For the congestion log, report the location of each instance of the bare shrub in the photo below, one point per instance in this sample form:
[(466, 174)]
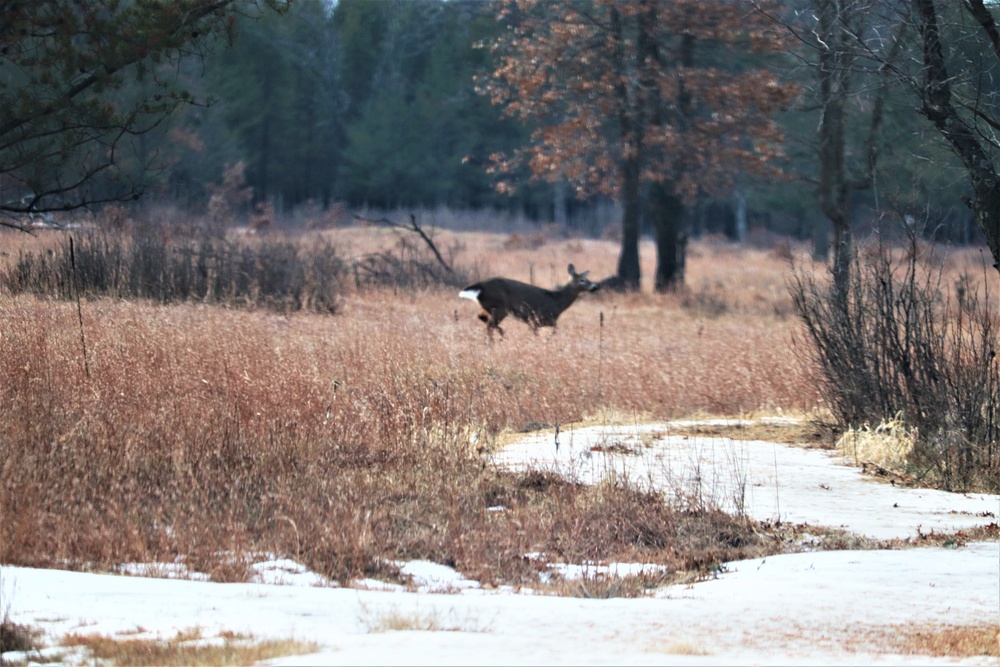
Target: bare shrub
[(272, 273), (314, 218), (900, 343), (407, 265), (262, 220), (18, 636)]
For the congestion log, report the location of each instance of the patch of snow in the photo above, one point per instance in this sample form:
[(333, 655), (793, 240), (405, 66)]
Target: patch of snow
[(161, 570), (434, 578), (795, 609), (766, 481), (286, 572)]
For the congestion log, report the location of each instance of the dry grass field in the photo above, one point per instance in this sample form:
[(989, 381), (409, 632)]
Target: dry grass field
[(342, 441)]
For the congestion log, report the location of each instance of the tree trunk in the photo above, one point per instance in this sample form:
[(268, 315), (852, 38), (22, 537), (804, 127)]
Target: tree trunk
[(667, 213), (843, 241), (559, 203), (632, 130), (740, 216), (834, 192), (821, 239), (628, 260), (964, 140)]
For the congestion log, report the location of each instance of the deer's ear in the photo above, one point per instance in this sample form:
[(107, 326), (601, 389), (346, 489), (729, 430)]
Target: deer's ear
[(572, 271)]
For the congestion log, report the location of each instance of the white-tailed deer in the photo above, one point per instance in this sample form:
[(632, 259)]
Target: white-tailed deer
[(500, 297)]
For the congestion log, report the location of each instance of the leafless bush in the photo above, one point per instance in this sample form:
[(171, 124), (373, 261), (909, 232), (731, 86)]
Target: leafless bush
[(148, 264), (408, 265), (899, 342), (17, 636)]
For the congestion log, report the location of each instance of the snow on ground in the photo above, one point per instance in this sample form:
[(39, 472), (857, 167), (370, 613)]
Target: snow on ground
[(811, 608), (768, 481)]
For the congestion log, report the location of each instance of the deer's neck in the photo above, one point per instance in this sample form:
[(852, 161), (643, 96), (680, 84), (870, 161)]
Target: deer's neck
[(565, 296)]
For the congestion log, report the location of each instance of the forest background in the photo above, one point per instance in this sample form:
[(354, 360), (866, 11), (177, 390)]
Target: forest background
[(375, 104)]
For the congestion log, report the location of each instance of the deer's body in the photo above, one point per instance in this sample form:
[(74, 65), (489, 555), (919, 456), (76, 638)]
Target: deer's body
[(538, 307)]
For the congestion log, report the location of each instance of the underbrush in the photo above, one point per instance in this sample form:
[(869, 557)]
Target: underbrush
[(149, 263), (17, 636), (905, 347), (277, 272)]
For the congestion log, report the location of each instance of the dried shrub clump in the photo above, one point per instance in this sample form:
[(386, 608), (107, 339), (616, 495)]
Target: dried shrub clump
[(187, 648), (900, 346), (150, 263), (953, 641), (17, 636), (886, 446)]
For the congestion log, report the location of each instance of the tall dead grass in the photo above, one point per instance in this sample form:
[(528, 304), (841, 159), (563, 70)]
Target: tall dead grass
[(344, 441)]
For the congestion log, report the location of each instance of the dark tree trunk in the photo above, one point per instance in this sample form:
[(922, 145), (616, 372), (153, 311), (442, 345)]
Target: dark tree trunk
[(667, 213), (667, 210), (964, 140), (628, 260), (821, 239), (838, 23), (632, 130), (834, 191)]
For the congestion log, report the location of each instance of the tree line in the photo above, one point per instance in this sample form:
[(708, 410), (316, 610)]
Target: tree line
[(804, 111)]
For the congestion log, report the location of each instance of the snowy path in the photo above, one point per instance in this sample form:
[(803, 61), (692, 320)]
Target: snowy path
[(770, 481)]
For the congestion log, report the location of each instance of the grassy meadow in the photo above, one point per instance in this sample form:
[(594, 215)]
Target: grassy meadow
[(205, 433)]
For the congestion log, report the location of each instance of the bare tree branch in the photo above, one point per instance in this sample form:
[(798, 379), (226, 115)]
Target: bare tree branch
[(412, 227)]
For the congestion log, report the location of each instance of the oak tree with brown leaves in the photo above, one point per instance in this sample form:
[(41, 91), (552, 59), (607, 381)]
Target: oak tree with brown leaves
[(642, 100)]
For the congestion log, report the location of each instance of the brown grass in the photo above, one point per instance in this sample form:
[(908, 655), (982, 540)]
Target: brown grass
[(187, 648), (944, 640), (342, 441), (395, 619), (950, 641)]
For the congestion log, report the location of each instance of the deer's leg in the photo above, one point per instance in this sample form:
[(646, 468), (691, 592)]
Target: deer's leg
[(491, 326), (534, 321), (497, 316), (492, 320)]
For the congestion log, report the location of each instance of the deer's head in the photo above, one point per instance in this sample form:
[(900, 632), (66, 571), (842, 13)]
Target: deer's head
[(580, 283)]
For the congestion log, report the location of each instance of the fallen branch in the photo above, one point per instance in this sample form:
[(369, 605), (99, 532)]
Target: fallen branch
[(412, 227)]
